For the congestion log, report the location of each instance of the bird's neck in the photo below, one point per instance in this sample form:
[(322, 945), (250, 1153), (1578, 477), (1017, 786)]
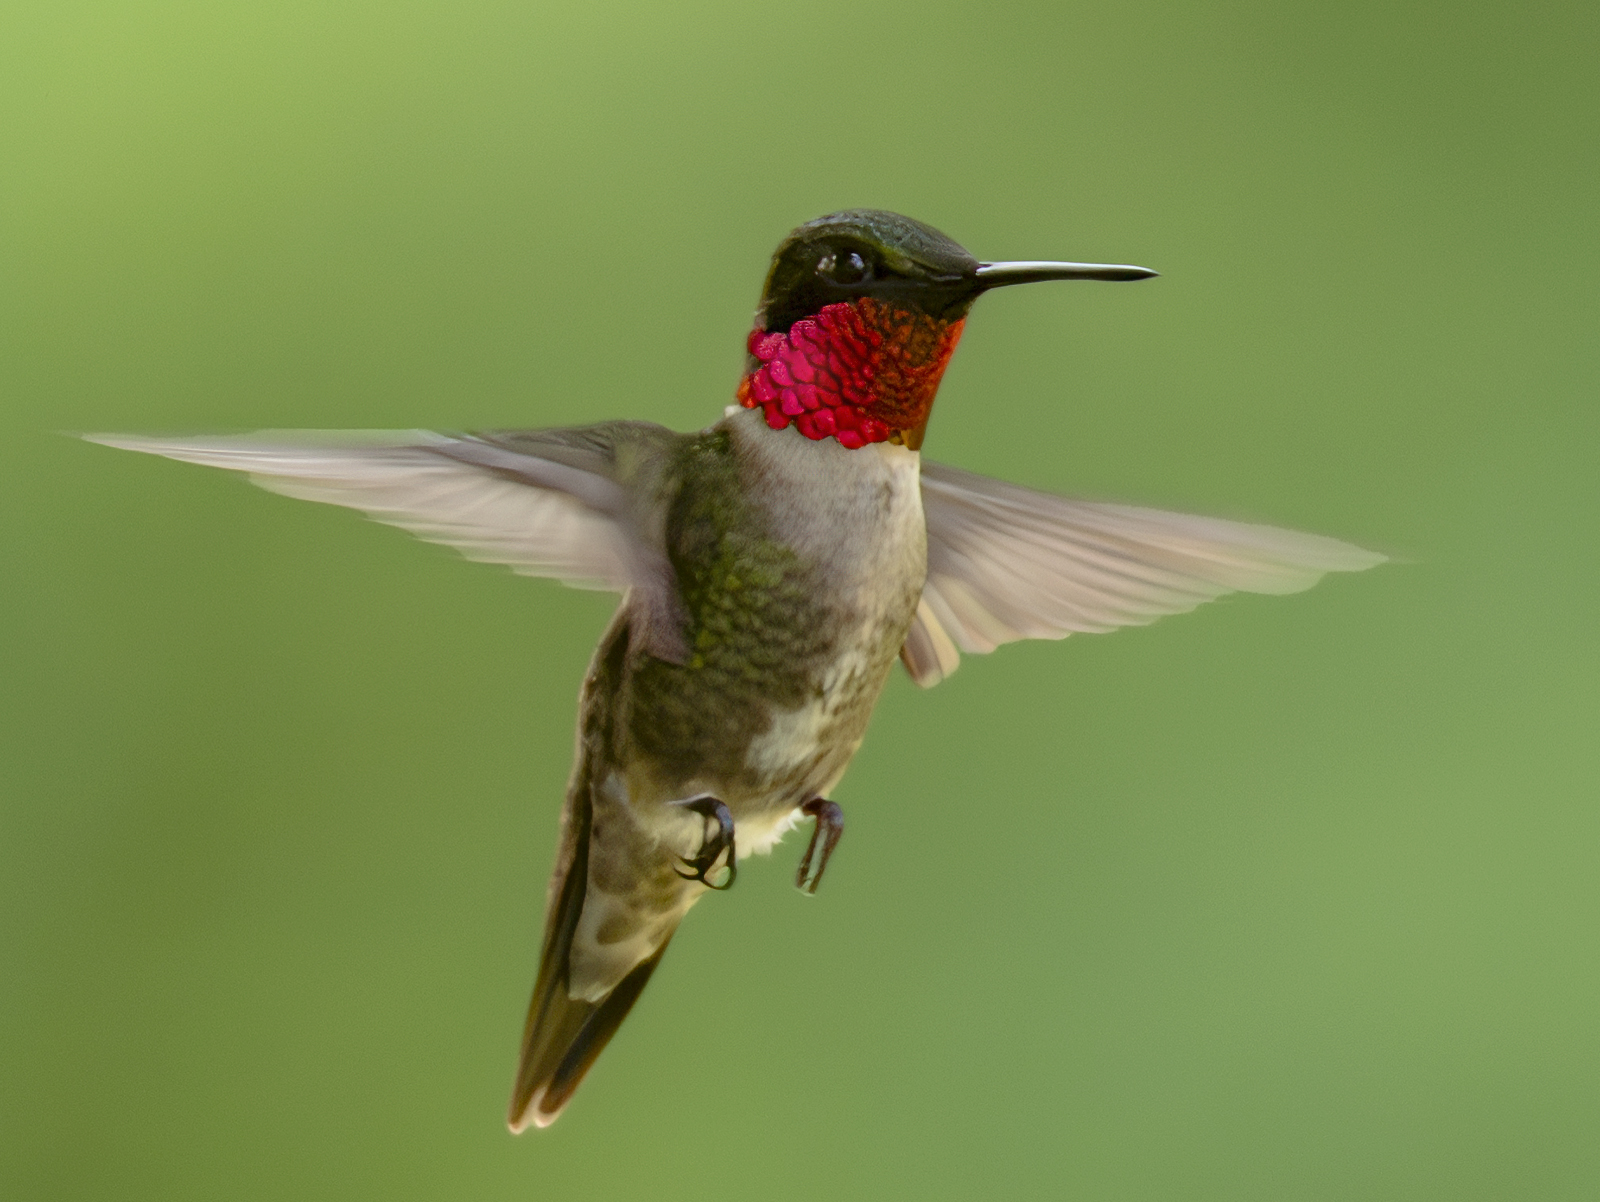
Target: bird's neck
[(859, 371)]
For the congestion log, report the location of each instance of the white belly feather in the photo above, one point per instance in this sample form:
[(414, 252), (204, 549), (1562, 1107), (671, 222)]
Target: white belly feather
[(886, 570)]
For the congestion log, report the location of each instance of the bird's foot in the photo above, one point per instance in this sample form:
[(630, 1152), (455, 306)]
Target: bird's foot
[(830, 825), (715, 844)]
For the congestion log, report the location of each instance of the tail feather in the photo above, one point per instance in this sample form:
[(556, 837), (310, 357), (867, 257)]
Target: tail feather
[(564, 1035), (567, 1044)]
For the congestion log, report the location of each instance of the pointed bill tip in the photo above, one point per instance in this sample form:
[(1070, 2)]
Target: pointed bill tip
[(1030, 271)]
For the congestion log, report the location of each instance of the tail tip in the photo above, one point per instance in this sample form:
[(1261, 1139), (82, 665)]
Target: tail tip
[(528, 1114)]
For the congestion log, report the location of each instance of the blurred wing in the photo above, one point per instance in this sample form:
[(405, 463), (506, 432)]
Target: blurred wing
[(544, 503), (1008, 563)]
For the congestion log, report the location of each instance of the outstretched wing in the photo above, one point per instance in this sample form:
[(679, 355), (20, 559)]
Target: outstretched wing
[(555, 503), (1008, 563)]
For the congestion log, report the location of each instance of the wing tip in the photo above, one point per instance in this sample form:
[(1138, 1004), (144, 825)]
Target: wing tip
[(1367, 561), (123, 442), (1336, 555), (1307, 571)]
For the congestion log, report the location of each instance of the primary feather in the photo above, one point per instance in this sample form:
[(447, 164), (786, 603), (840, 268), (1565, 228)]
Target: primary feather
[(1008, 563), (558, 503)]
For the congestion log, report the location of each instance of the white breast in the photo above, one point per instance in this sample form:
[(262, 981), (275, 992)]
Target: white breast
[(859, 514)]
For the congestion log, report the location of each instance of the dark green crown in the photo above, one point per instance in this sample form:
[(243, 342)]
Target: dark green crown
[(867, 252)]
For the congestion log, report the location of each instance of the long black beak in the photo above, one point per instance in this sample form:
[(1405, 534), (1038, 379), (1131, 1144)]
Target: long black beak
[(996, 275)]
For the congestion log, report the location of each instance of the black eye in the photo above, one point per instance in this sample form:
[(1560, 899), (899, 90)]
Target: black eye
[(843, 267)]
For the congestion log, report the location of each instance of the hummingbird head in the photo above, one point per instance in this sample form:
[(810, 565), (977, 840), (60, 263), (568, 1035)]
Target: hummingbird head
[(859, 316)]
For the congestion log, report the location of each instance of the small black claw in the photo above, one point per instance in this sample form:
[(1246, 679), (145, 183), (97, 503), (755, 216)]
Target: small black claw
[(830, 825), (713, 847)]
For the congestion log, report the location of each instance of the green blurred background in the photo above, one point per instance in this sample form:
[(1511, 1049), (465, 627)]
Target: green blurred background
[(1285, 899)]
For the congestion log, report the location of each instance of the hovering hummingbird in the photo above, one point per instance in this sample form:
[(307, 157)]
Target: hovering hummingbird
[(772, 567)]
